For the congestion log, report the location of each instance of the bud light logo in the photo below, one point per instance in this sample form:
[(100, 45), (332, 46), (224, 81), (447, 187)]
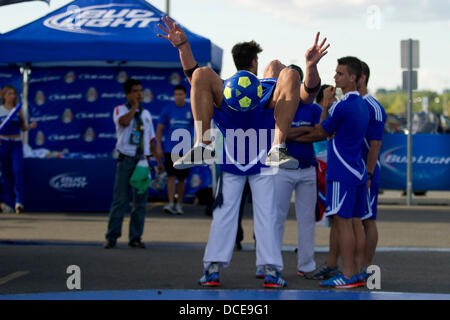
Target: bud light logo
[(395, 158), (122, 77), (147, 96), (68, 182), (67, 116), (430, 162), (175, 79), (40, 138), (101, 19), (70, 77), (39, 98), (196, 181), (89, 135), (91, 94)]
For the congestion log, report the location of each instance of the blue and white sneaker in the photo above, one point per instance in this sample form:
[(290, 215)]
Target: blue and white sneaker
[(360, 279), (259, 273), (211, 278), (340, 282), (273, 279), (363, 274), (324, 272)]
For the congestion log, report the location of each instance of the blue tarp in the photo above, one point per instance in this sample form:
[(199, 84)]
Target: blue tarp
[(101, 30)]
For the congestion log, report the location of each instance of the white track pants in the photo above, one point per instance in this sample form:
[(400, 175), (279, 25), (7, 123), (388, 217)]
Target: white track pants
[(303, 182), (222, 235)]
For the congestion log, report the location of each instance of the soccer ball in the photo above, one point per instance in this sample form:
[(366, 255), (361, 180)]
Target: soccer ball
[(242, 91)]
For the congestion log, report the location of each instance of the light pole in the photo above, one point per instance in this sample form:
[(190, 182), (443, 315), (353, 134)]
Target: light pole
[(409, 61)]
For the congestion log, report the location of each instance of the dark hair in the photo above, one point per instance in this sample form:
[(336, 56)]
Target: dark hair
[(244, 53), (180, 87), (298, 69), (353, 66), (319, 96), (365, 71), (129, 84)]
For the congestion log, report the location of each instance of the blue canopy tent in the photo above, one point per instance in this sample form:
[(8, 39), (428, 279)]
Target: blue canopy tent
[(79, 57), (101, 31)]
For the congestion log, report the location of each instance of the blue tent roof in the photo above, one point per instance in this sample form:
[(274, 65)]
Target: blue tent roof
[(101, 30)]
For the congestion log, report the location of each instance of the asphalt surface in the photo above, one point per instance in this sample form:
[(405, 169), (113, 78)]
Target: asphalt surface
[(414, 255), (45, 269)]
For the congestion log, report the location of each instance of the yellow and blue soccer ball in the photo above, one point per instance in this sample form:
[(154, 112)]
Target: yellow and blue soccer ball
[(242, 91)]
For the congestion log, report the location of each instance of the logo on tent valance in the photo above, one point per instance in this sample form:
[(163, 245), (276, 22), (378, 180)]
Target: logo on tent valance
[(101, 19)]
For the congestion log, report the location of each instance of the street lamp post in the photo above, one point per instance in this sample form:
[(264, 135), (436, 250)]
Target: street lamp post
[(409, 61)]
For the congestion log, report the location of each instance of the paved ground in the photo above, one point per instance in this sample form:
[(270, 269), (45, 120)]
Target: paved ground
[(36, 249), (420, 226), (429, 198), (175, 267)]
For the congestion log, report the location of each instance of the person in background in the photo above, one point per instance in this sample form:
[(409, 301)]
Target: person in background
[(174, 116), (371, 151), (304, 182), (11, 151), (135, 135)]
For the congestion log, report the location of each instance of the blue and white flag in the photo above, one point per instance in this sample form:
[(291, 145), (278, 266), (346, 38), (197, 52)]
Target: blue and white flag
[(5, 121)]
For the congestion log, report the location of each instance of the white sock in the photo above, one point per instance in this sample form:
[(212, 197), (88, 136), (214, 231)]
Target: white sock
[(206, 146), (278, 146)]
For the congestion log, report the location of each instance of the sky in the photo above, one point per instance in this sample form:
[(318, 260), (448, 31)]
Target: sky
[(368, 29)]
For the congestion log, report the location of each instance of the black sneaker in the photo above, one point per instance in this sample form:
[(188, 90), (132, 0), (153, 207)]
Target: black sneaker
[(197, 156), (136, 244), (110, 244), (282, 159)]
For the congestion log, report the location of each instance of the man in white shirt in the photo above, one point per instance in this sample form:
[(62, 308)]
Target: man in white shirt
[(135, 138)]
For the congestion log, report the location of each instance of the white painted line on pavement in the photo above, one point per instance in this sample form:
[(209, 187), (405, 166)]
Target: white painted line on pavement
[(13, 276), (380, 249)]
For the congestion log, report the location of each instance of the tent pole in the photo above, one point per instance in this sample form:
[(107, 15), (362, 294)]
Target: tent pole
[(25, 82)]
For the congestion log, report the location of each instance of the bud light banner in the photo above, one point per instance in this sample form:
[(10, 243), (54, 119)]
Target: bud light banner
[(431, 162), (73, 107), (11, 76), (200, 177), (87, 184), (68, 184)]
